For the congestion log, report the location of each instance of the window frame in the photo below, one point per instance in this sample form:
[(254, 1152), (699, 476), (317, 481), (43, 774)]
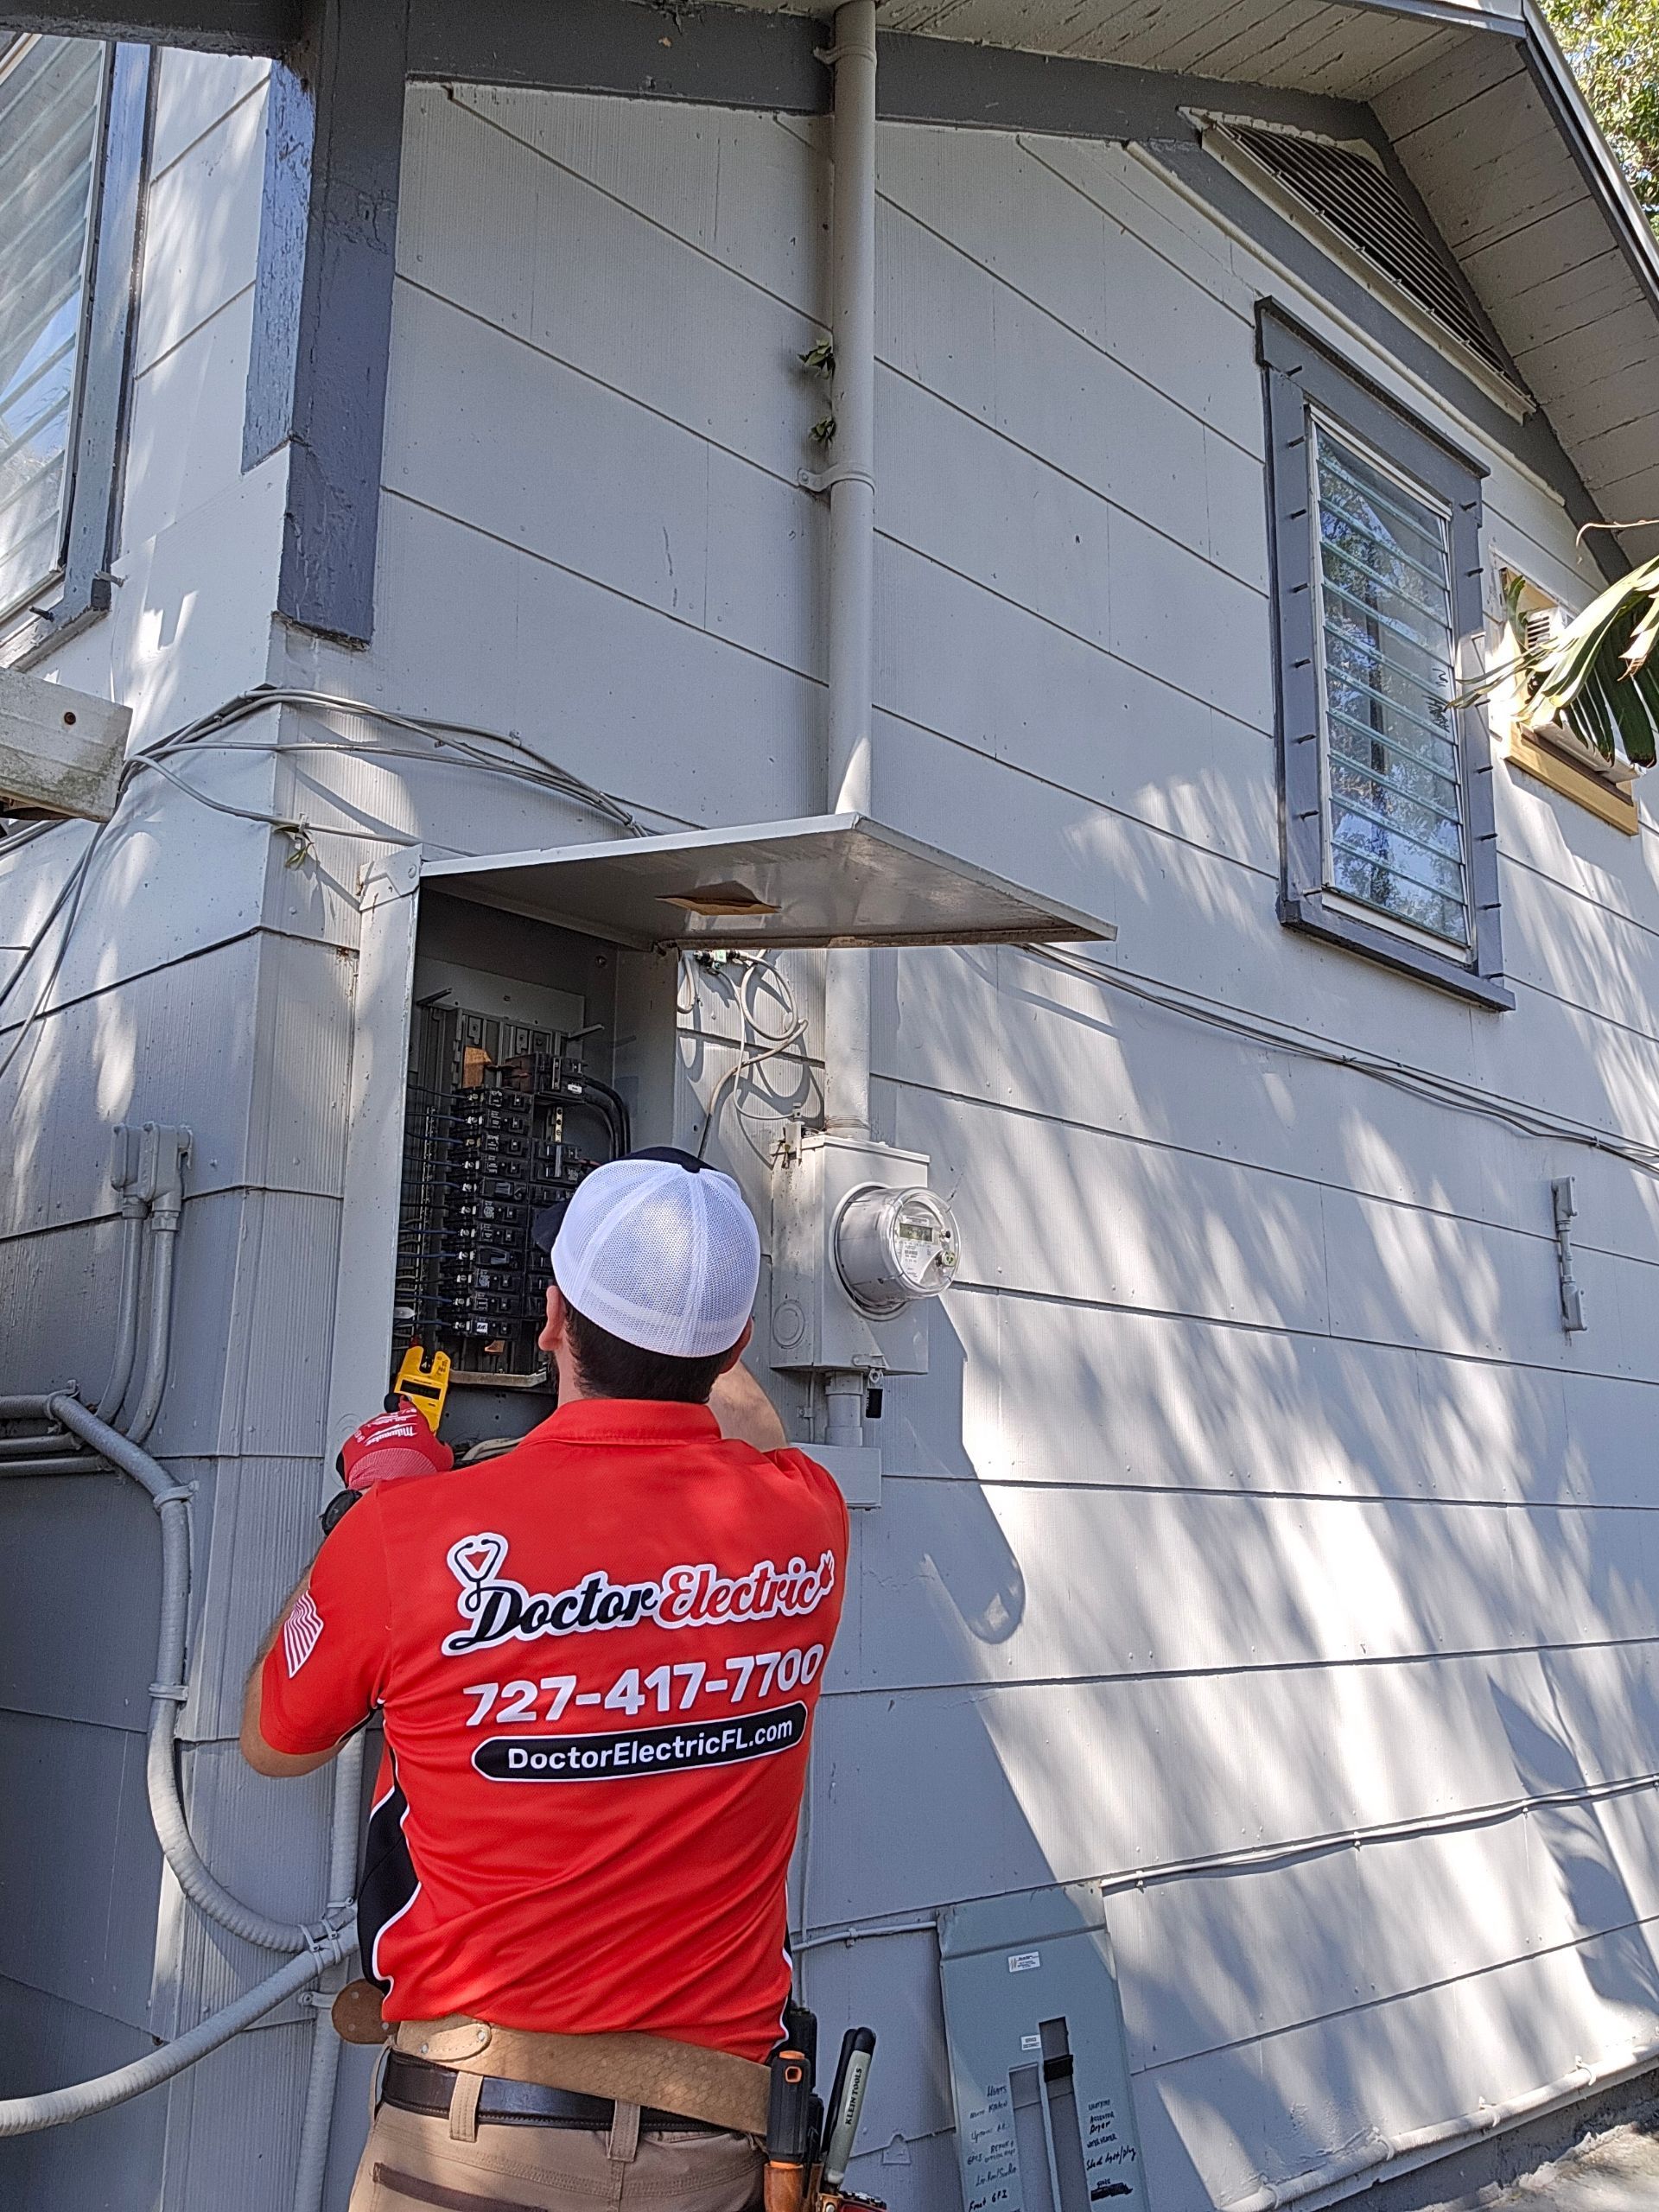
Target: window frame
[(1304, 382), (80, 586)]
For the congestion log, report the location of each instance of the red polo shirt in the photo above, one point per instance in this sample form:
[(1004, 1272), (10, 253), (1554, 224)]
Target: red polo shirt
[(598, 1659)]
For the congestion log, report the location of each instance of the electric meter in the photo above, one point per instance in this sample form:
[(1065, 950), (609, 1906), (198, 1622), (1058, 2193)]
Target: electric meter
[(893, 1246)]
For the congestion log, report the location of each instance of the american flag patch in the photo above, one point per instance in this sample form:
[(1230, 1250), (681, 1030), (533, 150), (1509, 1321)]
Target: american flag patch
[(299, 1632)]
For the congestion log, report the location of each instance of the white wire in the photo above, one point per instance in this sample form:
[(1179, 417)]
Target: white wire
[(1421, 1083), (74, 884), (756, 1045), (461, 737)]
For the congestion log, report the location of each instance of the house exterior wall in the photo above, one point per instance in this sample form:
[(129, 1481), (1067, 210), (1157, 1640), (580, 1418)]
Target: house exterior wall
[(1255, 1499)]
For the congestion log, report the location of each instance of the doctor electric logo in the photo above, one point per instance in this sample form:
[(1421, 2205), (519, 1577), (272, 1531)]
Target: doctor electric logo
[(497, 1609), (620, 1753)]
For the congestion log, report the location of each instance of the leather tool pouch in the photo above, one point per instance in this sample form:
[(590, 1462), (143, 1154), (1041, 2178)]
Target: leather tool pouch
[(356, 2014), (639, 2070)]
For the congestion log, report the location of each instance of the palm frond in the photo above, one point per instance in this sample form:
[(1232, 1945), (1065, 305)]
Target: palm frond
[(1600, 678)]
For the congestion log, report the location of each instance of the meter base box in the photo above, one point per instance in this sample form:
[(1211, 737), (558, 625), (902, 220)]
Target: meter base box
[(815, 1325)]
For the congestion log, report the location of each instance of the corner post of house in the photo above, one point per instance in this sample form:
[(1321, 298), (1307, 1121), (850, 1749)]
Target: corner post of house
[(323, 303)]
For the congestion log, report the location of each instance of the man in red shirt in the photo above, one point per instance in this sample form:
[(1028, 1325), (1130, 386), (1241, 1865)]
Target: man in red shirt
[(597, 1657)]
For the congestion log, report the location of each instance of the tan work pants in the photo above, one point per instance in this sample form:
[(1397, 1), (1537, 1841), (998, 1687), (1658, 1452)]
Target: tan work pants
[(415, 2160)]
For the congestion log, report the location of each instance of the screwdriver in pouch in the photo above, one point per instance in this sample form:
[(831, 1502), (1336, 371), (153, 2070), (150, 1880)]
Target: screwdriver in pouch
[(788, 2125), (846, 2102)]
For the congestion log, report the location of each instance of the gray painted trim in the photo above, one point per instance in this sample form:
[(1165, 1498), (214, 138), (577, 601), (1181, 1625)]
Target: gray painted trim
[(323, 306), (211, 25), (356, 72), (996, 88), (279, 281), (98, 448), (1534, 443), (1296, 369), (741, 58), (731, 57)]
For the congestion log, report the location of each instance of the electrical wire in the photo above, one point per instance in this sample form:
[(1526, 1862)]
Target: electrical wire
[(298, 830), (466, 739), (1421, 1083), (73, 887), (756, 1045), (466, 742)]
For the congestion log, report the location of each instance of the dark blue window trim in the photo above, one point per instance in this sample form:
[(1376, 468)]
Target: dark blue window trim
[(1300, 373)]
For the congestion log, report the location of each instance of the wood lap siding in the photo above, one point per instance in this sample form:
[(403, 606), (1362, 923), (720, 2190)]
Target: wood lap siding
[(1255, 1491)]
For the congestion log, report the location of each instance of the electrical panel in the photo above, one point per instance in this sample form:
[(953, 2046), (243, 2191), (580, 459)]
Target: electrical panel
[(505, 1112), (1039, 2067)]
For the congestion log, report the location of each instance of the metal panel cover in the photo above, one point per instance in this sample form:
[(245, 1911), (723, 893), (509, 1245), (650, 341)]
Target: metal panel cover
[(831, 880), (1039, 2072)]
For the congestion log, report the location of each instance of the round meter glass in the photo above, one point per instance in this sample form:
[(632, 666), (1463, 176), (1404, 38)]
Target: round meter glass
[(894, 1246)]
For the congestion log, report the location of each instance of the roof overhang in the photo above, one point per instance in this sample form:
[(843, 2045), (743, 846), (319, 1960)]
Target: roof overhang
[(1530, 198), (1481, 107), (829, 880)]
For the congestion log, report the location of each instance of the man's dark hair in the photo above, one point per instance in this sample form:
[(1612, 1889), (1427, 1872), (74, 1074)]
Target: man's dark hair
[(612, 1368)]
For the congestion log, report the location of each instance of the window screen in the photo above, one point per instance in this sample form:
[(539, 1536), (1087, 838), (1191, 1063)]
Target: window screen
[(50, 96), (1394, 826)]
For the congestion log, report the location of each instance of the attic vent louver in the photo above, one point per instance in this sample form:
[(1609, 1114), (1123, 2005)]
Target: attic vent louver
[(1357, 198)]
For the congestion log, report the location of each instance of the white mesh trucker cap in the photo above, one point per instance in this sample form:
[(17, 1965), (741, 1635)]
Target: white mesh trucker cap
[(662, 1252)]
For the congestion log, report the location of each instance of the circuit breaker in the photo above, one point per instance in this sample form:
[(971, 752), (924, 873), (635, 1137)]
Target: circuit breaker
[(505, 1112)]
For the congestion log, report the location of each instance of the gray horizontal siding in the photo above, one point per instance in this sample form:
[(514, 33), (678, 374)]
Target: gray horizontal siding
[(1048, 1390), (104, 2165), (1254, 1495)]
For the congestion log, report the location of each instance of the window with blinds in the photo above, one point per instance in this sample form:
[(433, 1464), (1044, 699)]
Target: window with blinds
[(1396, 839), (51, 95)]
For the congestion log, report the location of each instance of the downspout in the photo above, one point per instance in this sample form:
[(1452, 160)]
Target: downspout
[(851, 477), (851, 659)]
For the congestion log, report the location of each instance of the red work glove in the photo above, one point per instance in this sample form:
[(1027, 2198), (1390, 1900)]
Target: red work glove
[(389, 1447)]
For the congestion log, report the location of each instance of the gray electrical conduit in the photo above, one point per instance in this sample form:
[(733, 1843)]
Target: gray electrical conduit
[(126, 1326), (326, 1945), (323, 1946), (315, 2125), (55, 2107), (163, 1236), (168, 1690), (58, 1454)]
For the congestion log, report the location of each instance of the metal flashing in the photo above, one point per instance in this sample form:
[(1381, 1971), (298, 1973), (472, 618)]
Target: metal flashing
[(827, 879)]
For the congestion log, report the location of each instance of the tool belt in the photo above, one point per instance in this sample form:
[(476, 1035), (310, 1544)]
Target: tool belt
[(416, 2085), (661, 2077)]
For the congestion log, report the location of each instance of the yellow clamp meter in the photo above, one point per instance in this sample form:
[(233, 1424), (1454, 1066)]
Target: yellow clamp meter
[(423, 1379)]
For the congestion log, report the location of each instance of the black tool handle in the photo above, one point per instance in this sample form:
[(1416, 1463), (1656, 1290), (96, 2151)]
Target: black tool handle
[(789, 2109)]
